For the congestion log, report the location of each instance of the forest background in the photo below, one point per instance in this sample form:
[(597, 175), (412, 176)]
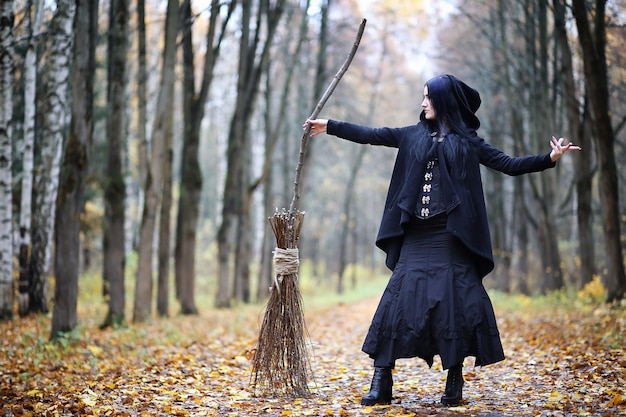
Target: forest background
[(145, 144)]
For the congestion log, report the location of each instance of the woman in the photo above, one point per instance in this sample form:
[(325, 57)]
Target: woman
[(435, 234)]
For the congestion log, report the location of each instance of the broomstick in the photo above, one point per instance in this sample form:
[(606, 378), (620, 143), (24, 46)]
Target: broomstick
[(280, 364)]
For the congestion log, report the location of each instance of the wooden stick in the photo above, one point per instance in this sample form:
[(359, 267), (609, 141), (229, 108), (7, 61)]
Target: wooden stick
[(329, 91)]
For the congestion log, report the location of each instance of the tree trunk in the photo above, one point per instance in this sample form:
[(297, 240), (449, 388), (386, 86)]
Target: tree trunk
[(501, 234), (582, 161), (585, 172), (521, 234), (547, 200), (6, 114), (237, 184), (499, 231), (593, 43), (74, 169), (517, 249), (187, 220), (115, 187), (163, 251), (242, 244), (163, 274), (142, 118), (54, 131), (142, 90), (153, 187), (539, 117), (272, 135), (30, 86), (191, 172), (347, 222), (265, 266)]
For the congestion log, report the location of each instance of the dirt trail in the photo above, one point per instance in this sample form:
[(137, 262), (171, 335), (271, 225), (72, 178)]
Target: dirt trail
[(559, 363)]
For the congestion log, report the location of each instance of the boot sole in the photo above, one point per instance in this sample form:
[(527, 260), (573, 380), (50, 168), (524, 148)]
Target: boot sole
[(451, 401), (376, 402)]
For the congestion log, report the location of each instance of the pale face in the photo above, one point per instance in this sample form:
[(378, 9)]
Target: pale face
[(429, 110)]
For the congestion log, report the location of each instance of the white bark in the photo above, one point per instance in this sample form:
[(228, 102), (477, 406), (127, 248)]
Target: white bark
[(54, 131), (30, 87), (6, 114)]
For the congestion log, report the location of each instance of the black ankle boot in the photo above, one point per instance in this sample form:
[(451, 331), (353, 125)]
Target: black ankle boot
[(454, 386), (380, 391)]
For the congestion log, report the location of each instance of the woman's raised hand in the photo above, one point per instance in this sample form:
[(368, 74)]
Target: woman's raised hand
[(318, 126), (558, 149)]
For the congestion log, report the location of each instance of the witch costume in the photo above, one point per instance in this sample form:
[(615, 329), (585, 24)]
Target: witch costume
[(435, 234)]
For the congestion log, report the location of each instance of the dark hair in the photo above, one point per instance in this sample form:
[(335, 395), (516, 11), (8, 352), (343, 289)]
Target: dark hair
[(454, 114), (454, 103)]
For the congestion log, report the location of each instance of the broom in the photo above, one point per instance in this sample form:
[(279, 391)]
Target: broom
[(280, 364)]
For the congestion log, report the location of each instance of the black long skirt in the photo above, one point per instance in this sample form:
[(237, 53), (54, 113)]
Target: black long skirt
[(434, 304)]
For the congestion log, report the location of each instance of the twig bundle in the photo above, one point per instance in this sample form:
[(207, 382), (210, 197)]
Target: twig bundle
[(280, 364)]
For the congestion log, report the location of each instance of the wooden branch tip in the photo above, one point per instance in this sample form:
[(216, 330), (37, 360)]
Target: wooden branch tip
[(318, 108)]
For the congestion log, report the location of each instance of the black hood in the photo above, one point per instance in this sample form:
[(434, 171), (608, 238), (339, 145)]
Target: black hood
[(468, 99)]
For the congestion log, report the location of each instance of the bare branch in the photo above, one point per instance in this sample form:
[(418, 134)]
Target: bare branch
[(318, 108)]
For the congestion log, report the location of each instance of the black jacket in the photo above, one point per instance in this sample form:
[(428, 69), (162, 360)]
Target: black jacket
[(462, 196)]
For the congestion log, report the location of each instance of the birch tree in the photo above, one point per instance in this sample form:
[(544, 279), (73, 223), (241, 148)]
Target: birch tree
[(32, 21), (115, 188), (153, 188), (6, 113), (74, 169), (57, 111)]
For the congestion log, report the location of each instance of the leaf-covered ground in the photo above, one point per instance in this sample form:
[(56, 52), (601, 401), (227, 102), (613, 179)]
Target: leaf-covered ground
[(561, 361)]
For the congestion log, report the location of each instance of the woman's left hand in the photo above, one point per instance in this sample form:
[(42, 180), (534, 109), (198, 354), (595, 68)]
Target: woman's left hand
[(318, 126), (558, 149)]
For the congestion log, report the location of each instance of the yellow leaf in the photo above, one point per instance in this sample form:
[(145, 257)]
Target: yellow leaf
[(32, 392), (459, 408), (619, 399), (95, 350)]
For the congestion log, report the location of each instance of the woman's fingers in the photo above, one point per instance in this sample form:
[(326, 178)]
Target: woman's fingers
[(557, 145), (558, 149), (317, 126)]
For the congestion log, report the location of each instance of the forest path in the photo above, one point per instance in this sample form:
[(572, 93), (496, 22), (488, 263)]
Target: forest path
[(560, 362)]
